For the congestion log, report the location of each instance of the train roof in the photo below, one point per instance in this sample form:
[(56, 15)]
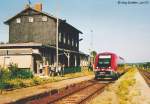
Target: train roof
[(106, 53), (110, 53)]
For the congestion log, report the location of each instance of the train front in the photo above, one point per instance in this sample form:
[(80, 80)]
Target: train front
[(105, 66)]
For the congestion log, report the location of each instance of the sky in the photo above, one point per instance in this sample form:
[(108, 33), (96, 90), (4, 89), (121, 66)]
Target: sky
[(118, 26)]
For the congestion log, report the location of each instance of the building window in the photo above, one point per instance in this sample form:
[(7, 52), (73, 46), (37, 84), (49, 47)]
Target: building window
[(44, 18), (64, 39), (60, 37), (76, 44), (72, 42), (31, 19), (18, 20), (68, 42)]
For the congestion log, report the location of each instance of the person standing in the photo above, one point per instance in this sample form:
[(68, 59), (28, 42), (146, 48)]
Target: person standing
[(62, 70), (52, 73), (41, 69), (59, 69)]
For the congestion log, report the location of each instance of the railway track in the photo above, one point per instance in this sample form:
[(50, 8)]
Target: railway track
[(146, 76), (77, 94)]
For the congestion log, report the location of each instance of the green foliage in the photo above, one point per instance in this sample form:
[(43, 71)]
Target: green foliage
[(17, 78), (93, 53), (145, 65), (5, 74), (12, 77), (37, 80), (14, 72), (16, 83), (20, 73), (4, 85)]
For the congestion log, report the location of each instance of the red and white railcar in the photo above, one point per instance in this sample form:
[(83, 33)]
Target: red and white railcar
[(108, 65)]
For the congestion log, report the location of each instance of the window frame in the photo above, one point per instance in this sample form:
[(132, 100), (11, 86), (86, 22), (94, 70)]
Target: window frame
[(30, 19), (18, 20), (44, 18), (64, 39), (59, 37), (72, 42)]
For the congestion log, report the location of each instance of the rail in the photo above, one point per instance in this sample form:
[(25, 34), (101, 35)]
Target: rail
[(77, 94), (146, 76)]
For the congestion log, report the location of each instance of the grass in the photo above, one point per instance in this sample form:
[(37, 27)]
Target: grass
[(16, 83), (123, 88)]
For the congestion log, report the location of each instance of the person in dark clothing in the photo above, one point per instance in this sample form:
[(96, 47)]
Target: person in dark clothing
[(52, 70), (62, 70)]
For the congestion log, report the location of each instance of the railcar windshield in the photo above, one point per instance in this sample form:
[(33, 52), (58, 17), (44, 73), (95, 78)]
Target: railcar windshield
[(104, 61)]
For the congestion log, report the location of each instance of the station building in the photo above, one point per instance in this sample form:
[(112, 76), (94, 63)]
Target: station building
[(32, 41)]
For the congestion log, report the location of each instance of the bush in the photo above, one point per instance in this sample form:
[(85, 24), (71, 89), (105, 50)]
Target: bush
[(5, 74), (12, 77)]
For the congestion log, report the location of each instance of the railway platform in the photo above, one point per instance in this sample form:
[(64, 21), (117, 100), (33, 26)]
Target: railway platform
[(138, 93), (144, 89), (40, 90)]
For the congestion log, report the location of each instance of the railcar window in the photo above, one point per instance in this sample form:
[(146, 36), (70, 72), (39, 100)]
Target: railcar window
[(104, 62)]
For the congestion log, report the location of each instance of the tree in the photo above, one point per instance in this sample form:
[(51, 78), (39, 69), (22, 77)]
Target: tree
[(93, 54)]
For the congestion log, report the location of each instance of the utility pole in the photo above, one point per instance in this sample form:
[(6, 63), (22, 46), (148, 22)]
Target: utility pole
[(91, 42), (91, 47), (57, 30), (57, 58)]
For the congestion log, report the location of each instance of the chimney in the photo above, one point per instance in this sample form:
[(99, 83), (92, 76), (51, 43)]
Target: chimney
[(27, 6), (38, 7)]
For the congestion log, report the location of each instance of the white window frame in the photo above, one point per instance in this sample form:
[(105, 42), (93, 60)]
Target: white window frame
[(31, 19), (76, 44), (60, 35), (72, 42), (68, 41), (44, 18), (64, 39), (18, 20)]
